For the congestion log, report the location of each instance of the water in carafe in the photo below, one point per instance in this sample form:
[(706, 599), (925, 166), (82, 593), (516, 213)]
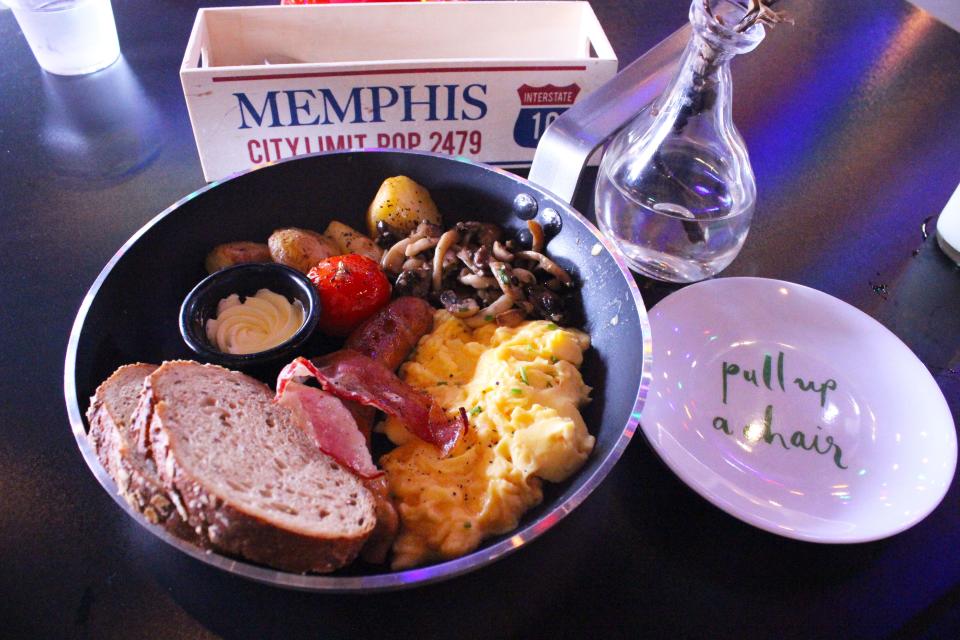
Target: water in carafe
[(675, 188), (676, 220)]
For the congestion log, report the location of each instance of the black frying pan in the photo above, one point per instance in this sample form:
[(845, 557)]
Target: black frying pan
[(130, 312)]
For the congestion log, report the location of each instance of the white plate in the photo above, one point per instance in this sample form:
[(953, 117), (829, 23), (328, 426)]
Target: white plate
[(860, 443)]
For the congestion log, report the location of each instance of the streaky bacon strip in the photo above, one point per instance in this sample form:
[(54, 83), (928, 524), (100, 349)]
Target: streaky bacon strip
[(297, 371), (324, 416), (350, 375)]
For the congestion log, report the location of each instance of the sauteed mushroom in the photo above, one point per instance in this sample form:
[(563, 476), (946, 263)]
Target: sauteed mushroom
[(415, 282), (477, 282), (487, 314), (524, 276), (474, 275), (460, 307), (547, 265), (412, 264), (536, 231), (420, 246), (504, 277), (446, 241), (500, 253), (393, 258)]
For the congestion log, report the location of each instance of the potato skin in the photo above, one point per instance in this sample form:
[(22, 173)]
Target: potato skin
[(403, 204), (349, 240), (301, 249), (233, 253)]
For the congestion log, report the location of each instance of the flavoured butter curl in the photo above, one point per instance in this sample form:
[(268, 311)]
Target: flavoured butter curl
[(262, 321)]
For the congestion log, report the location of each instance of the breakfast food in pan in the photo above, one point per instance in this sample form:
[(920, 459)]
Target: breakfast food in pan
[(352, 288), (244, 476), (118, 438), (523, 391), (260, 322), (401, 204), (475, 273), (466, 371), (282, 479), (233, 253)]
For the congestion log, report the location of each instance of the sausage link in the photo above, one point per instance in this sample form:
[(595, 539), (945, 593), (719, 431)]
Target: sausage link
[(391, 334)]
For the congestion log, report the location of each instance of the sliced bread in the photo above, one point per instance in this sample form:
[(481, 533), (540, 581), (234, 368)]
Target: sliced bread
[(111, 411), (115, 435), (252, 483)]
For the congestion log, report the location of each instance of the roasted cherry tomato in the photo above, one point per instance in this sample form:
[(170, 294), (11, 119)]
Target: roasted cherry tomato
[(352, 288)]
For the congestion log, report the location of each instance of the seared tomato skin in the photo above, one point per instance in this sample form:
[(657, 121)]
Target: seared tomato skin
[(352, 288)]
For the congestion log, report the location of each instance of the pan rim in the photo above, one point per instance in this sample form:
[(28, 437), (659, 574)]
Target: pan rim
[(378, 582)]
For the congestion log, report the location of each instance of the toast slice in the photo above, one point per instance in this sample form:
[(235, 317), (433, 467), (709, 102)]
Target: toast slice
[(115, 435), (252, 483)]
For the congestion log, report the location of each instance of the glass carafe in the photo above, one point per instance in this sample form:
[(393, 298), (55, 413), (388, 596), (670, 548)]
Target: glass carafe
[(675, 188)]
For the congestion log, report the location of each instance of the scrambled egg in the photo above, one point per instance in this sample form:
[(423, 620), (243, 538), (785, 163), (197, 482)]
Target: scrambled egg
[(522, 390)]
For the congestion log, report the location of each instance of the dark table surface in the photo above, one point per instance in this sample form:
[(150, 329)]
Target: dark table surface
[(852, 118)]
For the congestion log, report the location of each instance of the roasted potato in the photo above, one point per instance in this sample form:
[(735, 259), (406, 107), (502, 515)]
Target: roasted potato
[(349, 240), (301, 249), (231, 253), (403, 204)]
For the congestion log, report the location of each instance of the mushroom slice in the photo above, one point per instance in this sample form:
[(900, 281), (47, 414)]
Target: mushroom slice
[(471, 279), (487, 314), (419, 246), (500, 253), (459, 307), (447, 240), (536, 231), (427, 230), (481, 256), (504, 276), (524, 276), (394, 257), (412, 264), (467, 258), (449, 259), (547, 265), (482, 232)]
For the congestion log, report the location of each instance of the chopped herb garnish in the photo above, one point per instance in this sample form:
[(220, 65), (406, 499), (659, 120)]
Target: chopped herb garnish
[(476, 410), (487, 318), (516, 392), (504, 278), (523, 375), (552, 327), (554, 359), (467, 525)]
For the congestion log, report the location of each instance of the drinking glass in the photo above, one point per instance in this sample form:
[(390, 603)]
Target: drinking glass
[(69, 37)]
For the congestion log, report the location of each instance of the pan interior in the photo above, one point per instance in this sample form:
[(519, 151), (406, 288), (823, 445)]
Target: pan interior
[(132, 316)]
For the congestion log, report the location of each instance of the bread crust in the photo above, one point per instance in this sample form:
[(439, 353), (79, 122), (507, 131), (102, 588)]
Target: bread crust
[(111, 434)]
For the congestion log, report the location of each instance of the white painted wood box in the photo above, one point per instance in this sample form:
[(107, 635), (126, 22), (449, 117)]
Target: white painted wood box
[(475, 79)]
